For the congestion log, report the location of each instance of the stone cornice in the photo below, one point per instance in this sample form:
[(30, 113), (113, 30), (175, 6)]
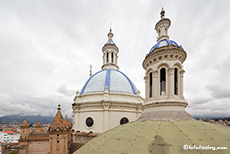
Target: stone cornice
[(110, 46), (164, 53), (167, 103), (107, 106), (107, 96)]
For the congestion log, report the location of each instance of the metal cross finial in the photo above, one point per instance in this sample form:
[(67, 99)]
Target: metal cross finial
[(110, 30), (162, 13), (90, 70), (59, 107)]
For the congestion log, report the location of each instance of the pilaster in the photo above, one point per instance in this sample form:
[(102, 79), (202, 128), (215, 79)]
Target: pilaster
[(155, 79), (182, 83), (146, 78), (171, 82)]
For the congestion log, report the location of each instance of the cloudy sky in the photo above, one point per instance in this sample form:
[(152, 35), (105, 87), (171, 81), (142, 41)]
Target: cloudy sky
[(46, 47)]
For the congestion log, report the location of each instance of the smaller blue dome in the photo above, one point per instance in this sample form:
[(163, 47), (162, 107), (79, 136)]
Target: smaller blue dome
[(163, 43), (110, 42)]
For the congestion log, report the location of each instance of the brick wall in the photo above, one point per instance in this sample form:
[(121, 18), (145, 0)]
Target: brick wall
[(38, 147)]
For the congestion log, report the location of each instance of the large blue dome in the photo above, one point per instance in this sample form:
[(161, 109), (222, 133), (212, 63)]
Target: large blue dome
[(162, 43), (115, 80)]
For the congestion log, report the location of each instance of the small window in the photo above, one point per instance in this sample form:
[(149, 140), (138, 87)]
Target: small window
[(57, 141), (124, 120), (57, 134), (89, 122)]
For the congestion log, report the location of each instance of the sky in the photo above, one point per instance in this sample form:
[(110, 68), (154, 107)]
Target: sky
[(47, 46)]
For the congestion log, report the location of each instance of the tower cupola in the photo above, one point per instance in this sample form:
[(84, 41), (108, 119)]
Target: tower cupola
[(110, 53), (162, 27)]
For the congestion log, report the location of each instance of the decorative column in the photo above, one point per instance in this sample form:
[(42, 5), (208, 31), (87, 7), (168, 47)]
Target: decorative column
[(146, 78), (154, 86), (78, 117), (115, 58), (110, 58), (182, 84), (104, 58), (171, 82)]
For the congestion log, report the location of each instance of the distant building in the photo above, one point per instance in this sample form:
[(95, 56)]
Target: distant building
[(54, 141), (1, 147), (9, 137)]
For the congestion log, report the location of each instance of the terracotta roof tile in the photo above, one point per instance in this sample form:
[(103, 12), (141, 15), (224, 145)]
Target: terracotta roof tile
[(68, 123), (9, 132), (25, 124), (38, 125), (59, 123)]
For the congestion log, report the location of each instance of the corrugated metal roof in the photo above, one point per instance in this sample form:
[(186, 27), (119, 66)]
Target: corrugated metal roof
[(159, 137)]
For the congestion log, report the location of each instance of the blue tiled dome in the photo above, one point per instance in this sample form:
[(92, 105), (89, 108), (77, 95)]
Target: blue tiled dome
[(163, 43), (110, 42), (115, 80)]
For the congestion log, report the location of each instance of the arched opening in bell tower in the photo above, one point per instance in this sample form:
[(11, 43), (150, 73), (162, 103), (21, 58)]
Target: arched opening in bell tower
[(175, 81), (162, 81), (150, 84), (112, 57), (107, 57)]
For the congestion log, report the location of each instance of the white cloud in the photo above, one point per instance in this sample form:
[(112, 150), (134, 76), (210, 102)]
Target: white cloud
[(65, 91), (46, 48)]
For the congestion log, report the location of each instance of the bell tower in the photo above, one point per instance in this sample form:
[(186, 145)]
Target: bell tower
[(164, 74), (110, 53), (59, 134), (24, 130)]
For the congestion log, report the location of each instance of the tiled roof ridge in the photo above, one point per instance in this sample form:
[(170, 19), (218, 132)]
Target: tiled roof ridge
[(38, 125), (59, 123), (25, 123)]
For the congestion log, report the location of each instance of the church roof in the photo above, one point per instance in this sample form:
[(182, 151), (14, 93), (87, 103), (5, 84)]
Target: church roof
[(68, 123), (59, 123), (25, 123), (38, 125), (159, 137), (114, 80), (163, 43)]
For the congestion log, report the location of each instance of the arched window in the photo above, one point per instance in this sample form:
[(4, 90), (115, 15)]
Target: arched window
[(112, 57), (124, 120), (162, 81), (150, 84), (175, 81), (107, 57)]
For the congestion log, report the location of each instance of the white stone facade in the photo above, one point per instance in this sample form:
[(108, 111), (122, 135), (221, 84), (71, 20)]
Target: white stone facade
[(106, 109)]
